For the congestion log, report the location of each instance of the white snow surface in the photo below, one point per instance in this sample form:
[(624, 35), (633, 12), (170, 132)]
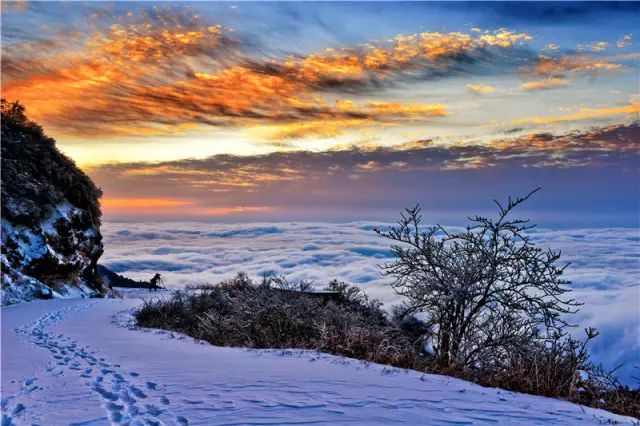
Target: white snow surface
[(82, 362)]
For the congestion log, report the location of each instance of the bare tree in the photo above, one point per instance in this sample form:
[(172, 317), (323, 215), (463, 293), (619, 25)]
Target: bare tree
[(484, 290)]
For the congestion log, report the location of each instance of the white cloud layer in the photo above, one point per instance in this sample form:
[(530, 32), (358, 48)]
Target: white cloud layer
[(605, 265)]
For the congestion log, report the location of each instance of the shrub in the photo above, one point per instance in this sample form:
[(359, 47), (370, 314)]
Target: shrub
[(279, 314), (485, 290), (496, 308)]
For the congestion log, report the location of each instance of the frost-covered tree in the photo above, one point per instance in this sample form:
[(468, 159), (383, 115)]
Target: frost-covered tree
[(484, 290)]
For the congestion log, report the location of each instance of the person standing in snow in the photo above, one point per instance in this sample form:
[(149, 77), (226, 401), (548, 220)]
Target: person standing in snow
[(153, 284)]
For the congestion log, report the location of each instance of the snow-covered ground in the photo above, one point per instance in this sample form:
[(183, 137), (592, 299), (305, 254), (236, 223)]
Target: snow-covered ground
[(81, 362)]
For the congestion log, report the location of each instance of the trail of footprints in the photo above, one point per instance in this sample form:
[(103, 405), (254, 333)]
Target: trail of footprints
[(127, 399)]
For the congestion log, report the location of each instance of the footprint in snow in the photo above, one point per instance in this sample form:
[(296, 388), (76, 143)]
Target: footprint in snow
[(153, 410), (120, 398), (19, 408)]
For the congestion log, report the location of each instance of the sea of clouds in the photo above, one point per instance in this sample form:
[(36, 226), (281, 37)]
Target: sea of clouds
[(605, 265)]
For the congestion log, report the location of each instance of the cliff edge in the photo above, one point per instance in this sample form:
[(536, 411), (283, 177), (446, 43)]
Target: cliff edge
[(51, 237)]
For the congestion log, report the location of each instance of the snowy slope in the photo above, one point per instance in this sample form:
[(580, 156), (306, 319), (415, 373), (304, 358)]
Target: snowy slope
[(81, 362)]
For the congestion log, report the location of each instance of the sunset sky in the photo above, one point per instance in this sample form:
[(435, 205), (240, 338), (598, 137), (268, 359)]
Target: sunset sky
[(336, 111)]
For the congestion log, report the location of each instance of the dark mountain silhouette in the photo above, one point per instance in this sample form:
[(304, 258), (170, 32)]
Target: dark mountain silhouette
[(112, 279)]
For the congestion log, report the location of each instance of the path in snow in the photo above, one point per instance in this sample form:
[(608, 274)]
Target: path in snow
[(80, 362), (124, 398)]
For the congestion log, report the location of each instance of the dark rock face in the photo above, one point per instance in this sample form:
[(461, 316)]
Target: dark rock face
[(51, 237)]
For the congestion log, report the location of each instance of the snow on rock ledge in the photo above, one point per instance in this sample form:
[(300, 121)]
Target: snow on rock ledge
[(51, 237), (54, 251)]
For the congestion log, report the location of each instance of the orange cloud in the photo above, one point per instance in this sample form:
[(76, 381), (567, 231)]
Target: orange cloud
[(480, 89), (395, 109), (374, 114), (583, 114), (163, 206), (336, 66), (145, 42), (556, 67), (157, 170), (146, 203), (504, 38), (418, 144), (222, 183), (225, 211), (173, 73), (401, 52), (311, 128), (245, 178), (436, 45), (468, 163), (604, 138), (547, 83), (89, 86)]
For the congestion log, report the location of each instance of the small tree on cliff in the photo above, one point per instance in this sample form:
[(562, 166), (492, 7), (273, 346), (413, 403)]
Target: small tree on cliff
[(485, 290)]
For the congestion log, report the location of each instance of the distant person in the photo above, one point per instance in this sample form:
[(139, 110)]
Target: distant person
[(153, 284)]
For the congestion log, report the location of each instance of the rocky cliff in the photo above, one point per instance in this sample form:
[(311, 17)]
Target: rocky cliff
[(51, 237)]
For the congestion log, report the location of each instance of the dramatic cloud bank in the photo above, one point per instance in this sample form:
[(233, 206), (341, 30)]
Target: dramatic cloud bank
[(587, 179), (165, 70), (224, 78), (604, 264)]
